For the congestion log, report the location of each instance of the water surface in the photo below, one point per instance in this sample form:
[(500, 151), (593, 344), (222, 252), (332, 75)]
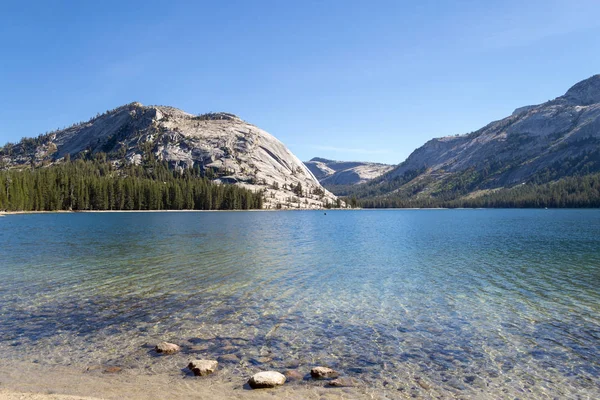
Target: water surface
[(426, 303)]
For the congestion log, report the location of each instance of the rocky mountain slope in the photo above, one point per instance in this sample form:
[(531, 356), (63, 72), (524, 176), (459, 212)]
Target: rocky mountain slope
[(536, 144), (226, 148), (331, 172)]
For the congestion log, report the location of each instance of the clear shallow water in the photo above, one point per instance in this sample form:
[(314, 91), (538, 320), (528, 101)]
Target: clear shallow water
[(432, 303)]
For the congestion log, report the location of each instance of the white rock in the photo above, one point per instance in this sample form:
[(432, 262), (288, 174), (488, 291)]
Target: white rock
[(167, 348), (266, 379)]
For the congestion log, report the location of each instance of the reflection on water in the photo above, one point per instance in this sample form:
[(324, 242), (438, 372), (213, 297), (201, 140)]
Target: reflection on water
[(424, 303)]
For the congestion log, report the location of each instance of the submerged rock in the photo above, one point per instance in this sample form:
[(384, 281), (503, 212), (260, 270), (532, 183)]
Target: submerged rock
[(343, 382), (167, 348), (229, 358), (323, 373), (293, 375), (422, 383), (266, 379), (292, 364), (260, 360), (203, 367)]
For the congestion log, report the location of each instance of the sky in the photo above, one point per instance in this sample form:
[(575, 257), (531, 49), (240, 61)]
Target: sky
[(346, 80)]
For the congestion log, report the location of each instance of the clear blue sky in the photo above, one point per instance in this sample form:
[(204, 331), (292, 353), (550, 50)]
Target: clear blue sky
[(349, 80)]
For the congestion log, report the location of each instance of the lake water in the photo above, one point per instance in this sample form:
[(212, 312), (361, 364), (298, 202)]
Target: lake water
[(422, 303)]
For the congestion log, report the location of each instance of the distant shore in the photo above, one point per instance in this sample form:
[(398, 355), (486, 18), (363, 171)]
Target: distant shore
[(2, 213), (119, 211)]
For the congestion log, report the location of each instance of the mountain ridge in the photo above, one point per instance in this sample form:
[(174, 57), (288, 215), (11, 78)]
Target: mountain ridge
[(334, 172), (535, 144), (221, 145)]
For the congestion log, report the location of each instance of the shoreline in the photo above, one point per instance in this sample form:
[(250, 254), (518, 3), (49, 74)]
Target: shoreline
[(16, 395), (28, 381), (6, 213)]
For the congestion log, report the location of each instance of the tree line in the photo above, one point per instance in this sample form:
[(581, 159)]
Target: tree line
[(98, 185), (568, 192)]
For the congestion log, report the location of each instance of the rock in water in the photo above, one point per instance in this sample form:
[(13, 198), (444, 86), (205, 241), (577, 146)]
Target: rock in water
[(293, 375), (266, 379), (203, 367), (231, 358), (343, 382), (323, 373), (167, 348)]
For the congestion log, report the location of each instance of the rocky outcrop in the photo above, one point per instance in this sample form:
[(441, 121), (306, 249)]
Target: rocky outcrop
[(330, 172), (266, 379), (203, 367), (228, 149), (584, 93)]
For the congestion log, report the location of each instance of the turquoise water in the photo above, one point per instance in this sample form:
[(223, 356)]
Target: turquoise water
[(418, 302)]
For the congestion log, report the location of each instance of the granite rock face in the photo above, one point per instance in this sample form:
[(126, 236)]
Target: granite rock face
[(557, 135), (226, 147), (331, 172)]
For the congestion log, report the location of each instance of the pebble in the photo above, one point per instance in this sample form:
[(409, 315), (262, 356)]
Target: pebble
[(293, 375), (323, 373), (229, 358), (167, 348), (203, 367), (343, 382)]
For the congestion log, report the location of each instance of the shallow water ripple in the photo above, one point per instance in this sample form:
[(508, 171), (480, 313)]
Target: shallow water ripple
[(470, 303)]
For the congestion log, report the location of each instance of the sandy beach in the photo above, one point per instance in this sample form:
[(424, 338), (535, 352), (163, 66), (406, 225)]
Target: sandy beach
[(28, 381), (10, 395)]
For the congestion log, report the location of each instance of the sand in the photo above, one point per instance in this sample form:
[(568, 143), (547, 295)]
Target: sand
[(9, 395), (27, 381)]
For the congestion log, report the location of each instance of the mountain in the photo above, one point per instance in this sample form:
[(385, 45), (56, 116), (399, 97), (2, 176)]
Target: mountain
[(536, 144), (222, 146), (331, 172)]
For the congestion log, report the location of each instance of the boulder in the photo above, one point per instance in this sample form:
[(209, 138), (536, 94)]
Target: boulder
[(203, 367), (323, 373), (167, 348), (266, 379)]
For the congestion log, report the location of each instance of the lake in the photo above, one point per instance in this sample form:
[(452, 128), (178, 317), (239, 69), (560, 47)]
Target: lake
[(425, 303)]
